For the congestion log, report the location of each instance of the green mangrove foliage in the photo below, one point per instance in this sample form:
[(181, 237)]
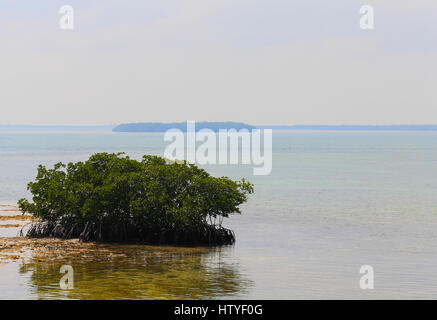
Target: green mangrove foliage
[(112, 198)]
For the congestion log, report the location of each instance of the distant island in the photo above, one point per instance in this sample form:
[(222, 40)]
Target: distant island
[(162, 127)]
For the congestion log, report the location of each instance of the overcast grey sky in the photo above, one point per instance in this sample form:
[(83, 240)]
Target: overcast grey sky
[(257, 61)]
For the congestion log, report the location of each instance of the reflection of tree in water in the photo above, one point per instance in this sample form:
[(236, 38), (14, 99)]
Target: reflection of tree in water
[(136, 272)]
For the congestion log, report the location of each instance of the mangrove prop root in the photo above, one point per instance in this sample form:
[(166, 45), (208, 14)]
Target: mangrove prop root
[(211, 235)]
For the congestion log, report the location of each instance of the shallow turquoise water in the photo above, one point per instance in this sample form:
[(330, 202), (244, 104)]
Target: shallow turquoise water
[(334, 201)]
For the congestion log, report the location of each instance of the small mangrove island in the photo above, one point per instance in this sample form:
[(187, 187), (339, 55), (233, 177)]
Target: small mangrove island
[(113, 198)]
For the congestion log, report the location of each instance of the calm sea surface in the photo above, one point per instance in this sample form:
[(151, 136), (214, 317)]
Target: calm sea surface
[(334, 201)]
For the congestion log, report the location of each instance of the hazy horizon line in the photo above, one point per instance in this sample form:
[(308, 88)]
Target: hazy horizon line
[(426, 126)]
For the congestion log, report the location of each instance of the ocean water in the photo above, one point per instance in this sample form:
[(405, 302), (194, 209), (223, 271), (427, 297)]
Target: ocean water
[(334, 201)]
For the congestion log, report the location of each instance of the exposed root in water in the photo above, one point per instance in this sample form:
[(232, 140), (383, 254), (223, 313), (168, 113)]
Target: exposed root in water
[(211, 235)]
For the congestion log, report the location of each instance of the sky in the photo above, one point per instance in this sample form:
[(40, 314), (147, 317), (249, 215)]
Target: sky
[(272, 62)]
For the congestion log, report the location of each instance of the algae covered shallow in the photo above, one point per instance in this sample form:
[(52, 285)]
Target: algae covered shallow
[(106, 271)]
